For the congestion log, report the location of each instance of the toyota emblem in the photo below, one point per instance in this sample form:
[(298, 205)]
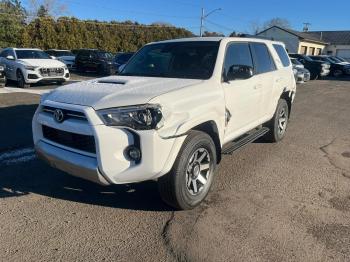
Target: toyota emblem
[(58, 115)]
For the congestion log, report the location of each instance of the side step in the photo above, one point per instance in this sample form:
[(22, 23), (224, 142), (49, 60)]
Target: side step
[(242, 141)]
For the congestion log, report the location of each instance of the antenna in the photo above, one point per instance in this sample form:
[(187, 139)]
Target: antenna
[(306, 26)]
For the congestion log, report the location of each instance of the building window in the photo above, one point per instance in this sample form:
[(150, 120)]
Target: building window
[(303, 50), (312, 51), (318, 51)]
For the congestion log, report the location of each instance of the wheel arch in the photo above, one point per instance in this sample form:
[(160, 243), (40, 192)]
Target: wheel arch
[(288, 97), (212, 130)]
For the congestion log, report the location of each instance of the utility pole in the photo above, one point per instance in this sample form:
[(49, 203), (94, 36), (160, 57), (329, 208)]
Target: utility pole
[(203, 17), (202, 20)]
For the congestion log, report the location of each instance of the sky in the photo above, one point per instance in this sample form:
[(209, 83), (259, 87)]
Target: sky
[(236, 15)]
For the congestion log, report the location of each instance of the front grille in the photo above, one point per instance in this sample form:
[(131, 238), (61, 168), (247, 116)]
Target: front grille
[(59, 71), (68, 114), (77, 141)]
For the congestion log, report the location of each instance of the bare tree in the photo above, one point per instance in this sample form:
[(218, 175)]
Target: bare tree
[(277, 21), (54, 8), (256, 27)]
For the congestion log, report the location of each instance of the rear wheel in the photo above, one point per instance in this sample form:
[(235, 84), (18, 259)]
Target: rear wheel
[(278, 124), (337, 73), (21, 81), (191, 177)]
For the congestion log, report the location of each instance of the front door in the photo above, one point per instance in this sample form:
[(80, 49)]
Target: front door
[(242, 96)]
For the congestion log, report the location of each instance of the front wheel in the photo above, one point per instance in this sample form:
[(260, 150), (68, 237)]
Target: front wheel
[(21, 81), (191, 177), (278, 124), (337, 73)]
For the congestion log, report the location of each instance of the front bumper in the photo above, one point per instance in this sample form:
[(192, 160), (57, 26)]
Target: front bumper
[(109, 165), (34, 76), (72, 163)]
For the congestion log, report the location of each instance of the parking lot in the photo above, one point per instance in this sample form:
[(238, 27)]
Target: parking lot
[(270, 202)]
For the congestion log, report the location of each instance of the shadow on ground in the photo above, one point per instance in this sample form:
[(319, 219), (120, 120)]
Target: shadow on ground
[(34, 176)]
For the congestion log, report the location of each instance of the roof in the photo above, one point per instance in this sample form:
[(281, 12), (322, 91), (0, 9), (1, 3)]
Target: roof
[(332, 37), (217, 39), (302, 35)]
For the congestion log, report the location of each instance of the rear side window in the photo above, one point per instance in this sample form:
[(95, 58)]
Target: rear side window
[(262, 58), (282, 55), (237, 54)]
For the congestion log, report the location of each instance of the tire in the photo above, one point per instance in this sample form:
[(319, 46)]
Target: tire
[(186, 185), (315, 77), (279, 123), (21, 82), (337, 73)]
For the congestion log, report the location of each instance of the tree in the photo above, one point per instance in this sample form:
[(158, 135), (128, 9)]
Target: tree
[(277, 21), (42, 11), (208, 34), (12, 22), (43, 8)]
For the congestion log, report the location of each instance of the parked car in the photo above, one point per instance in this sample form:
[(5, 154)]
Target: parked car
[(29, 66), (177, 106), (337, 68), (341, 59), (2, 76), (316, 68), (301, 74), (95, 60), (122, 59), (65, 56)]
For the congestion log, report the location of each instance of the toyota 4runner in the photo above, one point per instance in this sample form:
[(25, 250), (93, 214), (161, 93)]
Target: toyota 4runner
[(175, 108)]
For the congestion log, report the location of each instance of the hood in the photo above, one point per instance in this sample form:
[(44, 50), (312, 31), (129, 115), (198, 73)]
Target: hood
[(41, 62), (117, 91)]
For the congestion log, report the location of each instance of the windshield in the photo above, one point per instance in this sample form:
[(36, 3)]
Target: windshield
[(335, 60), (192, 60), (341, 59), (31, 54), (105, 55), (63, 53)]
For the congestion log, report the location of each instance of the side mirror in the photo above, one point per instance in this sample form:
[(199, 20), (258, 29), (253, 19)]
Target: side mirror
[(239, 72), (10, 57), (53, 57)]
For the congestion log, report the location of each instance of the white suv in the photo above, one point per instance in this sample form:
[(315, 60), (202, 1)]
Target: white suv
[(30, 66), (176, 107)]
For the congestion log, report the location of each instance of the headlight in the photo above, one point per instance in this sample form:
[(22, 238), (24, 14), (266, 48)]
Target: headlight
[(2, 68), (31, 68), (144, 117)]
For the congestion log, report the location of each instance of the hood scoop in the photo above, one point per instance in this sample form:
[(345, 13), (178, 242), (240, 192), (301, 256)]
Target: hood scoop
[(112, 82)]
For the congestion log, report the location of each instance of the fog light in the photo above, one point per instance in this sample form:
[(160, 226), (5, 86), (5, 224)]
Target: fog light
[(133, 153)]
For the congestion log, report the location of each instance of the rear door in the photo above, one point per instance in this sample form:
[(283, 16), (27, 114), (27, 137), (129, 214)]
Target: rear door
[(266, 77)]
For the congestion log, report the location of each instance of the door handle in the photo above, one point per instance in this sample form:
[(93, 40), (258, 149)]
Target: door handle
[(258, 86), (279, 79)]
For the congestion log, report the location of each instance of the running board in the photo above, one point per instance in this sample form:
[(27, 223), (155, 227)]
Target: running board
[(244, 140)]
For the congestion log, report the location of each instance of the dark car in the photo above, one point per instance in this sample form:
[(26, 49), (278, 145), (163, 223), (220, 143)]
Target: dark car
[(338, 68), (122, 58), (300, 72), (2, 76), (95, 60), (317, 68)]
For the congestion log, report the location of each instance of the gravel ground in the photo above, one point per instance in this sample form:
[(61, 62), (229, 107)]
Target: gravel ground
[(270, 202)]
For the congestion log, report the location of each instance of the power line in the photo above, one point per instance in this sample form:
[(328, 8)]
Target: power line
[(220, 26)]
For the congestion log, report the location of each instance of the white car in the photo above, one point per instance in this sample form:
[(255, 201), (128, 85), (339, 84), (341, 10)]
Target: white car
[(30, 66), (65, 56), (176, 107)]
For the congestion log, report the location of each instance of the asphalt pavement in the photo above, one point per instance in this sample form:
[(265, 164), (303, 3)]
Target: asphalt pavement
[(270, 202)]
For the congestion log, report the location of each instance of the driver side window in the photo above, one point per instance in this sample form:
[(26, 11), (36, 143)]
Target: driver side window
[(237, 54)]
